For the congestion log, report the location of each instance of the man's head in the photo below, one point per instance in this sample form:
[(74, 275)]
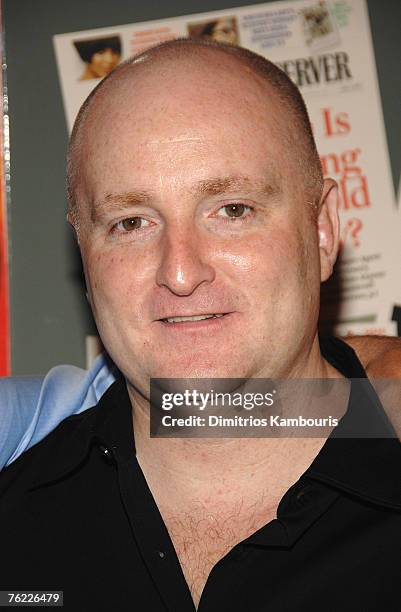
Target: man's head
[(196, 189)]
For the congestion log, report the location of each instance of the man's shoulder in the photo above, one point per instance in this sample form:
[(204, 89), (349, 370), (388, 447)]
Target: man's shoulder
[(341, 356), (67, 446), (25, 471), (31, 407)]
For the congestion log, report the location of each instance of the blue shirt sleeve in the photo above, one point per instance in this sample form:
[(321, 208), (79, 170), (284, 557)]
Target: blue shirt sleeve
[(31, 407)]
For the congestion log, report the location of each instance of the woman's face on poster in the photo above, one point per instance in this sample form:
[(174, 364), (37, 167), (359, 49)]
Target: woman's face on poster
[(103, 62), (224, 31)]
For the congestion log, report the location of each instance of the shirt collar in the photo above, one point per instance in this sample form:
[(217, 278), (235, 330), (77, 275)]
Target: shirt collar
[(362, 456), (106, 426), (350, 460)]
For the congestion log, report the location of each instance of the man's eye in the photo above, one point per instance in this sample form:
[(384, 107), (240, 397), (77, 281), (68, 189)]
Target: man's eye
[(130, 224), (233, 211)]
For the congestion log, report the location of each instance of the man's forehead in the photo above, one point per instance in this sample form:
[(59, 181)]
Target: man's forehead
[(143, 131), (192, 165)]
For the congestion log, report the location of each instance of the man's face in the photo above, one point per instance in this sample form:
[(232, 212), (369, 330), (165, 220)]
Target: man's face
[(192, 208)]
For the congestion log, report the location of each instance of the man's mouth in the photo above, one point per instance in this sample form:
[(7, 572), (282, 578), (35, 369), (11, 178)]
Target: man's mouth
[(192, 318)]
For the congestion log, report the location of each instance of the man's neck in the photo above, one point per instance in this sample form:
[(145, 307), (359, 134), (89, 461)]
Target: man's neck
[(204, 468)]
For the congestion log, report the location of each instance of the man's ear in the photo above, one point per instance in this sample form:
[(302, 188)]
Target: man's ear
[(73, 222), (328, 228), (70, 220)]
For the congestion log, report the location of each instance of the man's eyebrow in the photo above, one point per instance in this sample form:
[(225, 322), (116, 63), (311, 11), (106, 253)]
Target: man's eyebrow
[(119, 202), (216, 186)]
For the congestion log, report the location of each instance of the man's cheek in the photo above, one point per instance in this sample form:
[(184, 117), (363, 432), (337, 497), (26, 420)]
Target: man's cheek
[(104, 282), (243, 250), (271, 255)]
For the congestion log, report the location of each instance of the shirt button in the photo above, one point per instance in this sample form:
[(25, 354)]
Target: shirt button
[(303, 495), (107, 453), (161, 554)]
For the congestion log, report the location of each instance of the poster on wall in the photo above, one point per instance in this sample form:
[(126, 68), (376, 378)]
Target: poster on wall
[(4, 285), (325, 47)]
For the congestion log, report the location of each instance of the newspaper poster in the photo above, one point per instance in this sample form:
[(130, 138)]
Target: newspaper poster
[(325, 47)]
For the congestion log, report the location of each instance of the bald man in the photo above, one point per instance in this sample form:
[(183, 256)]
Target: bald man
[(205, 228)]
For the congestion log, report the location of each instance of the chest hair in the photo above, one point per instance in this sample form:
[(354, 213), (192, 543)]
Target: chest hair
[(202, 535)]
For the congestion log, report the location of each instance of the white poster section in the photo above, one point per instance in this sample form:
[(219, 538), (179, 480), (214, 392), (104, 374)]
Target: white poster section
[(326, 48)]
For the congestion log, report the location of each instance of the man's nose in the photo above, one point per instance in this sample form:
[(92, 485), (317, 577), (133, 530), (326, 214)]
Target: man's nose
[(184, 264)]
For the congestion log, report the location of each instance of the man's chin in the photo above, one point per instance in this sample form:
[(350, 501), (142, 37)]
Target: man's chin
[(203, 373)]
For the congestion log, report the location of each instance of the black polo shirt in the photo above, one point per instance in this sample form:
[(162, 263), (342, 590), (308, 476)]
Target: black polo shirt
[(77, 515)]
